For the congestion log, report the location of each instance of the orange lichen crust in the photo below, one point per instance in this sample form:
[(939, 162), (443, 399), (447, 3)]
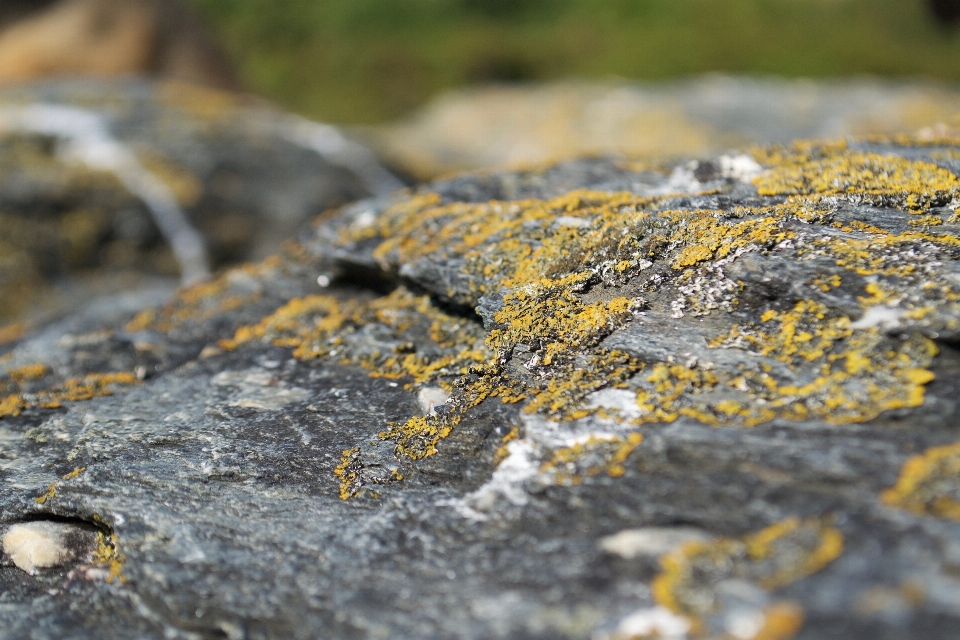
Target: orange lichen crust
[(770, 559), (929, 484), (596, 455), (108, 553), (72, 390), (554, 278), (198, 302), (51, 491), (347, 473), (542, 268), (855, 377), (825, 169), (12, 332), (28, 372)]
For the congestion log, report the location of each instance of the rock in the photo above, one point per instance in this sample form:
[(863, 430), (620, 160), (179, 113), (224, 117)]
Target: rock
[(34, 546), (41, 38), (521, 125), (711, 399), (111, 185)]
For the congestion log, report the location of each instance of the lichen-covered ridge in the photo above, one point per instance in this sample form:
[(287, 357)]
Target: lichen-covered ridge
[(558, 280), (742, 370), (565, 286)]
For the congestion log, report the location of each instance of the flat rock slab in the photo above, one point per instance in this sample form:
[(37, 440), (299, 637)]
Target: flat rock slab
[(715, 399)]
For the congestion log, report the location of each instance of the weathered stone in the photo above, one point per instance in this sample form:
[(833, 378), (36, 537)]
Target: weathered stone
[(42, 38), (507, 126), (105, 184), (34, 546), (707, 400)]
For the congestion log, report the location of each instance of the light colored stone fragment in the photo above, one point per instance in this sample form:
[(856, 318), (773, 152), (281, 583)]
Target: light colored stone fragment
[(33, 546), (430, 397), (650, 541)]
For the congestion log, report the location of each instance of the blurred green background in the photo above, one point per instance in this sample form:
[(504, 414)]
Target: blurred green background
[(367, 61)]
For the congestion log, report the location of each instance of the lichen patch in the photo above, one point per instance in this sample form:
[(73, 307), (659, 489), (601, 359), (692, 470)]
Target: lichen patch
[(722, 586), (929, 484)]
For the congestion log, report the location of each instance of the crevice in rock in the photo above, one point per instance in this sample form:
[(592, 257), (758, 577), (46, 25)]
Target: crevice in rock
[(89, 524), (360, 276)]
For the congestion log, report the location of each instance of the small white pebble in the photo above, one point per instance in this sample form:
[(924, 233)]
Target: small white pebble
[(657, 622), (323, 281), (742, 168), (430, 397), (573, 221), (744, 623), (650, 541), (41, 545), (365, 219), (880, 316)]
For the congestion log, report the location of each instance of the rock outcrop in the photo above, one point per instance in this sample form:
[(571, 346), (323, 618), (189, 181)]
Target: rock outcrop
[(109, 184), (713, 399), (513, 126), (62, 38)]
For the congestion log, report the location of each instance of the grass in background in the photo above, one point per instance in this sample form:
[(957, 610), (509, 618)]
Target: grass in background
[(364, 61)]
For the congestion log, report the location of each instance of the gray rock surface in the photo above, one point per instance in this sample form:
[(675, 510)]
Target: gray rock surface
[(106, 185), (712, 401), (524, 124)]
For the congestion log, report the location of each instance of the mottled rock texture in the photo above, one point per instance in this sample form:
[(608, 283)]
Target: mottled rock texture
[(43, 38), (712, 399), (515, 125), (81, 164)]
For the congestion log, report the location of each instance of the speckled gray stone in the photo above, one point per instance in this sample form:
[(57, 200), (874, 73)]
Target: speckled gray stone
[(218, 471)]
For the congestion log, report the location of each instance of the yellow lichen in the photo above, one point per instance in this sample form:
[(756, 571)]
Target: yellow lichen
[(72, 390), (781, 621), (12, 332), (772, 558), (346, 472), (596, 455), (562, 274), (813, 168), (49, 494), (929, 484), (12, 405), (205, 300), (504, 450), (108, 553), (287, 326), (926, 221), (28, 372), (692, 255), (857, 380), (75, 473), (51, 491), (826, 283)]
